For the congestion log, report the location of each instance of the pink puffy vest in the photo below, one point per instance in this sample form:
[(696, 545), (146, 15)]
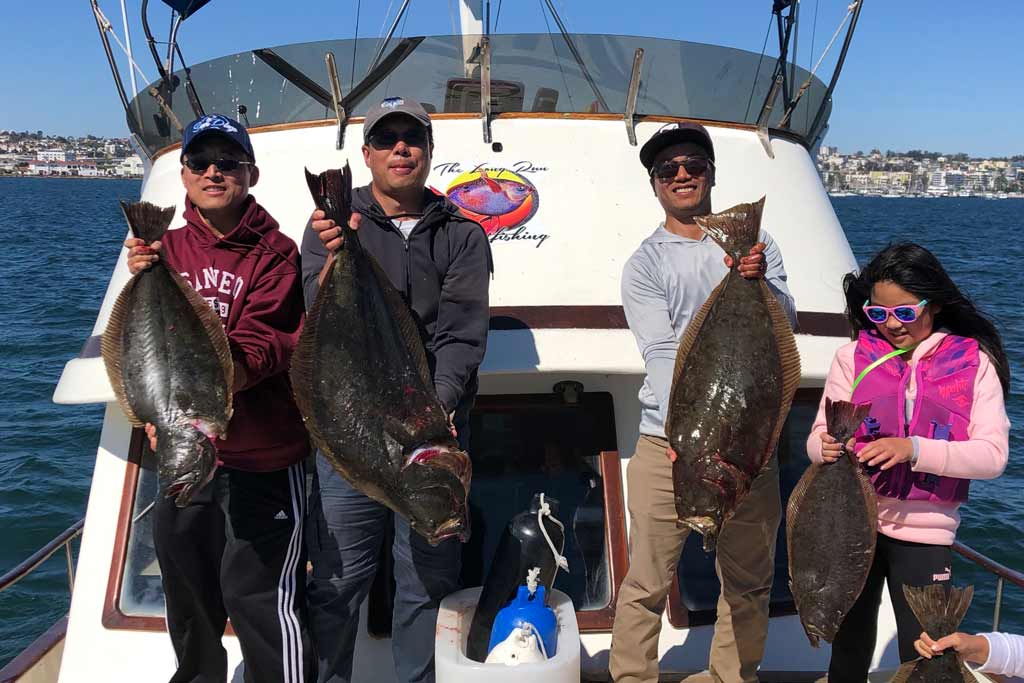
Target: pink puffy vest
[(942, 410)]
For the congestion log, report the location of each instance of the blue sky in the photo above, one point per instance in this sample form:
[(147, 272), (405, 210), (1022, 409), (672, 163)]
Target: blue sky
[(921, 74)]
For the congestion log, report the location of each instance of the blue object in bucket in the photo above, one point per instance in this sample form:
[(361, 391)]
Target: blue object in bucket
[(527, 609)]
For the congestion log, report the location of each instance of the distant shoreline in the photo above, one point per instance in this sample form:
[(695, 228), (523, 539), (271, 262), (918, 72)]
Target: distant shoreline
[(71, 177)]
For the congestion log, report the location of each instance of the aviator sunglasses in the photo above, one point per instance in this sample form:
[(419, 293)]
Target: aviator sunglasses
[(905, 314), (200, 164), (386, 139), (667, 170)]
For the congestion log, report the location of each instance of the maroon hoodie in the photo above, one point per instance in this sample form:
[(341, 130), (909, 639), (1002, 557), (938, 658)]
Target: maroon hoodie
[(252, 279)]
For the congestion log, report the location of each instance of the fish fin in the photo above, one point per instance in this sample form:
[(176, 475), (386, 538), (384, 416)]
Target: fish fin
[(215, 330), (902, 674), (938, 611), (796, 500), (492, 185), (301, 368), (111, 348), (332, 194), (406, 324), (736, 229), (965, 672), (789, 357), (147, 221), (842, 418), (692, 330)]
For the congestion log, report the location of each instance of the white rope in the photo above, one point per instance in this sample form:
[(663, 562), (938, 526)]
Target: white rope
[(109, 28), (530, 629), (849, 12), (545, 510), (532, 578)]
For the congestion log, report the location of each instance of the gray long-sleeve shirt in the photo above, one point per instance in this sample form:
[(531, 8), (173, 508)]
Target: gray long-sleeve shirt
[(664, 283)]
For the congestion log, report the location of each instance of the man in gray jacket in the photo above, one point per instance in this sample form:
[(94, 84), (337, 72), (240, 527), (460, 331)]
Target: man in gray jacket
[(440, 261), (664, 284)]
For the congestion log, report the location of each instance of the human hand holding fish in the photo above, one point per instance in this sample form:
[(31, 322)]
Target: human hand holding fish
[(140, 255), (671, 454), (752, 266), (330, 235), (887, 452), (831, 449), (974, 649)]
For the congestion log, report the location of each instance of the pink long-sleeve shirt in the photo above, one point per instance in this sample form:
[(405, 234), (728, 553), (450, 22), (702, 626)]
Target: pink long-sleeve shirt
[(982, 456)]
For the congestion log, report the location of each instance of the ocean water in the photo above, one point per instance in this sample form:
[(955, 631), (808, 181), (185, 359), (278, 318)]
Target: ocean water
[(58, 245)]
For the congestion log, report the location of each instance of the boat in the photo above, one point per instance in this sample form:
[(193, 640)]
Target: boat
[(563, 114)]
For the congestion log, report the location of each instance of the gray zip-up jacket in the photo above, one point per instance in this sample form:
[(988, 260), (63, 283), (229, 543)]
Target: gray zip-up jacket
[(665, 282)]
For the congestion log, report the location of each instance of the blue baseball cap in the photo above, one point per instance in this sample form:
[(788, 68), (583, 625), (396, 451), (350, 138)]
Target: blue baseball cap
[(217, 124)]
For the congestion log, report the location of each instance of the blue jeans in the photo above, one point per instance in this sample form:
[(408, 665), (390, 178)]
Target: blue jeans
[(344, 536)]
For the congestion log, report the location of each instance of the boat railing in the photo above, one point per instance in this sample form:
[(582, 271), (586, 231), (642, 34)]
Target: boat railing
[(63, 540), (1001, 572)]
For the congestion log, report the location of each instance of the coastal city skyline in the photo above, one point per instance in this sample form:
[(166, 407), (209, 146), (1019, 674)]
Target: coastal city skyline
[(936, 84)]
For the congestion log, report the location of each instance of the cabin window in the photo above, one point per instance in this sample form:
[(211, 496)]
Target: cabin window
[(693, 603), (525, 444), (142, 594)]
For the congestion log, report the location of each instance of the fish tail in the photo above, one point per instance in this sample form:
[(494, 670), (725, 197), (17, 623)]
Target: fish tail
[(147, 221), (843, 419), (736, 230), (332, 194), (940, 612)]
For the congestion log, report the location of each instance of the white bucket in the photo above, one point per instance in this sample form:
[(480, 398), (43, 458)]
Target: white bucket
[(452, 665)]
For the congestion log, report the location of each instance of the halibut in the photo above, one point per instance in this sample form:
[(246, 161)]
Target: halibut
[(365, 391), (831, 526), (169, 363), (736, 372)]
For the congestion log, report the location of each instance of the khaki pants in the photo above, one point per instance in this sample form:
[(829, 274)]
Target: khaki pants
[(745, 564)]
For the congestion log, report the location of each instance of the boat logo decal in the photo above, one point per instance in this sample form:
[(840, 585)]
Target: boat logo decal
[(498, 199)]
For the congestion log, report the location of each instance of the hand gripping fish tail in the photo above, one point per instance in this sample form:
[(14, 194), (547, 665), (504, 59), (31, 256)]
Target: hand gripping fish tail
[(736, 230), (332, 194), (147, 221), (843, 419), (940, 609)]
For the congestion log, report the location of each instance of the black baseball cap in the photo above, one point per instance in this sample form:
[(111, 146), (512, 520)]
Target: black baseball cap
[(672, 134), (391, 106), (217, 124)]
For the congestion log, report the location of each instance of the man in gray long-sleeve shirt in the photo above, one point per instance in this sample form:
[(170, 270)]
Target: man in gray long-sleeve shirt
[(664, 284)]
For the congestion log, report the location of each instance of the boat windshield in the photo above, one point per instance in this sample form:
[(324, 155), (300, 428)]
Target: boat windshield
[(529, 73)]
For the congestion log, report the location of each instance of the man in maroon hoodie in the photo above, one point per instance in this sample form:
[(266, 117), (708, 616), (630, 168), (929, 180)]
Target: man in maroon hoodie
[(237, 549)]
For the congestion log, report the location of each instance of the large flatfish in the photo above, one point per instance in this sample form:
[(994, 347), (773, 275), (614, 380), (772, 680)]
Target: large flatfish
[(169, 363), (940, 611), (831, 530), (736, 372), (362, 384)]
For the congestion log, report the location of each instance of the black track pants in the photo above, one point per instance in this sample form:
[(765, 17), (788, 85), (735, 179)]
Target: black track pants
[(236, 551), (897, 563)]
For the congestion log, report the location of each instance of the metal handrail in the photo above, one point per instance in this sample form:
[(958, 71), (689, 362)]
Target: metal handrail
[(38, 557), (1001, 571)]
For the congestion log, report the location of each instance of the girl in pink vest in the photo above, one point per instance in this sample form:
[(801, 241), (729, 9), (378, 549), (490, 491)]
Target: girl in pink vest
[(934, 370)]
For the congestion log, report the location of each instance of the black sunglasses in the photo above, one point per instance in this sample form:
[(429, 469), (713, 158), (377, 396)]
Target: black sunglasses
[(200, 164), (667, 170), (386, 139)]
